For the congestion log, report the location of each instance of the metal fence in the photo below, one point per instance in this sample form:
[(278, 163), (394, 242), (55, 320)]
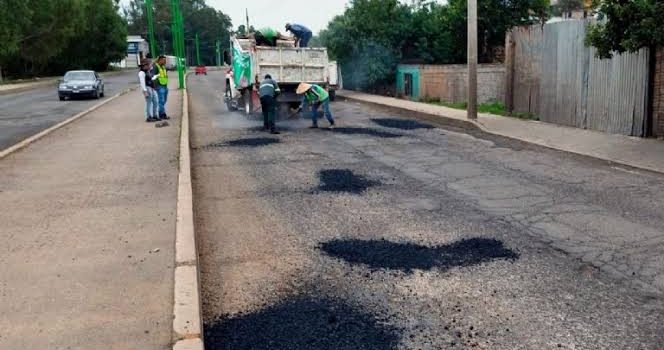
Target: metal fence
[(554, 75)]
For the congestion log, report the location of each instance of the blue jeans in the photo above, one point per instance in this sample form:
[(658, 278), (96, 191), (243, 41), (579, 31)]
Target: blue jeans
[(326, 111), (304, 40), (151, 104), (163, 98)]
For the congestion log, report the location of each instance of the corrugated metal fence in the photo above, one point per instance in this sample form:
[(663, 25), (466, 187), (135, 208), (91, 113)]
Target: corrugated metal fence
[(555, 76)]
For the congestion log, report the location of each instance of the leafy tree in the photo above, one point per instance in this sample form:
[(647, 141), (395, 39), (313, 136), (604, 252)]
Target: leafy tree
[(567, 6), (629, 26), (14, 16)]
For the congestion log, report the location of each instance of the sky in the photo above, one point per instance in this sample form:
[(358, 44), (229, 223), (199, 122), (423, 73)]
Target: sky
[(314, 14)]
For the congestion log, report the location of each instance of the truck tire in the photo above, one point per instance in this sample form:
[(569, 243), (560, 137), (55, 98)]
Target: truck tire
[(333, 95), (247, 102)]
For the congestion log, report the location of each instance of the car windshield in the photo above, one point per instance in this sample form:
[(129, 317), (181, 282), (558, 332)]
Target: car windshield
[(79, 76)]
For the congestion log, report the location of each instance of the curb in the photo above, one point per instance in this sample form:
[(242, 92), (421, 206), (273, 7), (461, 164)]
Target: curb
[(11, 149), (187, 321), (478, 126)]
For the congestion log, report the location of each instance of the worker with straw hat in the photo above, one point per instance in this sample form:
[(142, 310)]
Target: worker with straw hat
[(316, 96)]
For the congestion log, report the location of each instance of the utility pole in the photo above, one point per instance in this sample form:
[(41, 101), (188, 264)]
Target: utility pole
[(472, 59), (178, 39), (218, 51), (198, 52), (149, 15)]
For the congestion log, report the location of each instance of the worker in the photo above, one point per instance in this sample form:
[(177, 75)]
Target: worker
[(266, 37), (268, 92), (315, 96), (161, 85), (146, 84), (302, 34)]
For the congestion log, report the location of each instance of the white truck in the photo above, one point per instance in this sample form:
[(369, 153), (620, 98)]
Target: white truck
[(288, 65)]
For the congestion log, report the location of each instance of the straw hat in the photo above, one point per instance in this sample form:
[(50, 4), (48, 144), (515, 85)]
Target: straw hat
[(302, 88)]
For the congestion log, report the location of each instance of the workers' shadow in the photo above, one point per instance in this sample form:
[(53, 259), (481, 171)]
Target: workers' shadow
[(383, 254), (302, 323), (403, 124), (343, 180)]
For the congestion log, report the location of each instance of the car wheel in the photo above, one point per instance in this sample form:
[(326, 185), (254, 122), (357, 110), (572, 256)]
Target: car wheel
[(62, 98), (96, 94), (102, 93)]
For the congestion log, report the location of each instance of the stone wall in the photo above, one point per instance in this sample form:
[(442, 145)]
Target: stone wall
[(449, 83)]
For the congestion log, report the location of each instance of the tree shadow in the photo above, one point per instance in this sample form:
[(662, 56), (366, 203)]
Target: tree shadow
[(363, 131), (301, 323), (383, 254), (344, 180), (403, 124)]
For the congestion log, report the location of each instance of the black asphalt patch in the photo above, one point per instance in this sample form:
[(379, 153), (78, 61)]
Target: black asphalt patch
[(403, 124), (302, 323), (364, 131), (343, 180), (250, 142), (383, 254)]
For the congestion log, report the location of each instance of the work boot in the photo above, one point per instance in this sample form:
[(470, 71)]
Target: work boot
[(315, 126), (164, 117)]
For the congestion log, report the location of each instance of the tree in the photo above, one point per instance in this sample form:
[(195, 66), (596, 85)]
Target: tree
[(565, 7), (627, 26), (210, 24), (14, 16)]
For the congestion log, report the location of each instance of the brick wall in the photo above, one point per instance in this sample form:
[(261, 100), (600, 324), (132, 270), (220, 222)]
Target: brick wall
[(658, 95), (449, 83)]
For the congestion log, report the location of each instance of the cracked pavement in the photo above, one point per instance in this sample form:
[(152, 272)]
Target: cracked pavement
[(589, 272)]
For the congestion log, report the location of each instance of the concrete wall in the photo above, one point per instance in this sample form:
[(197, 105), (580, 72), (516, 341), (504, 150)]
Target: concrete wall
[(449, 83), (658, 95)]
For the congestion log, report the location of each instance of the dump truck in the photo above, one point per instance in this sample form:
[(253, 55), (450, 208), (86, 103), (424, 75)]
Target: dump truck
[(288, 65)]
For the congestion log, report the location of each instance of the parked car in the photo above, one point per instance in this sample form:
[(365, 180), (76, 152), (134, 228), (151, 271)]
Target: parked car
[(201, 70), (81, 83)]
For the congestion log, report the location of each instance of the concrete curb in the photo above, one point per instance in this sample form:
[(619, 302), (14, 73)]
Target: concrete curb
[(477, 125), (187, 321), (7, 151)]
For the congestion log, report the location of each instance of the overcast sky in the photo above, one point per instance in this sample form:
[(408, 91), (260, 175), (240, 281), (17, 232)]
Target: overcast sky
[(270, 13)]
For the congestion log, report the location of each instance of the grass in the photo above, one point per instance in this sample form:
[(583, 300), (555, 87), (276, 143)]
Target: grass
[(496, 108)]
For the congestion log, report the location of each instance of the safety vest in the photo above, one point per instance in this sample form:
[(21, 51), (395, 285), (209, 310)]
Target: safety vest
[(163, 77), (316, 94)]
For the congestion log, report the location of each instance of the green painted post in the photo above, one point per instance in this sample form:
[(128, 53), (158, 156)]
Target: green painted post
[(198, 52), (153, 43)]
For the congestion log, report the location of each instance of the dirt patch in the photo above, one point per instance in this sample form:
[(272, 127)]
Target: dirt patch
[(302, 323), (383, 254), (344, 180), (364, 131), (403, 124)]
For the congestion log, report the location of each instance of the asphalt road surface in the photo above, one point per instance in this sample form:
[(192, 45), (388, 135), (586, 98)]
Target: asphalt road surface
[(27, 113), (391, 234)]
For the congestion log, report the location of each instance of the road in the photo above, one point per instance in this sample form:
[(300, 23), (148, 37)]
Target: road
[(387, 233), (27, 113)]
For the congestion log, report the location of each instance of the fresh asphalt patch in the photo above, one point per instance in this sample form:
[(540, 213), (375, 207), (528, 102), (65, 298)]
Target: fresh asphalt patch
[(383, 254), (344, 180), (249, 142), (302, 322), (403, 124), (364, 131)]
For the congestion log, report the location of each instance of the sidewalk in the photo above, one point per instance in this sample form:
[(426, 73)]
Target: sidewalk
[(88, 219), (636, 152)]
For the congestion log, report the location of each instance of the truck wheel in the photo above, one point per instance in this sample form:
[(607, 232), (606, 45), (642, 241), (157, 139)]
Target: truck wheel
[(333, 95), (248, 102)]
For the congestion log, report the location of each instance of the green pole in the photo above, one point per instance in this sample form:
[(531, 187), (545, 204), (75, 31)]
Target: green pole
[(153, 43), (178, 34), (218, 50), (198, 52)]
